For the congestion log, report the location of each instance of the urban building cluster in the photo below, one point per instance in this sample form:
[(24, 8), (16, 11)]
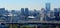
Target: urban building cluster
[(24, 14)]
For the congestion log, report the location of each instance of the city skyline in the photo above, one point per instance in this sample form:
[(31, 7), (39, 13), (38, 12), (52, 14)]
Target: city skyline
[(31, 4)]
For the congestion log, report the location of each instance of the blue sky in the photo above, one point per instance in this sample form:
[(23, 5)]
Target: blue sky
[(31, 4)]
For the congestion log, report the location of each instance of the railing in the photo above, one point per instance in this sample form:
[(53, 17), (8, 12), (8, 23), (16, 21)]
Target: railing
[(20, 21), (38, 22)]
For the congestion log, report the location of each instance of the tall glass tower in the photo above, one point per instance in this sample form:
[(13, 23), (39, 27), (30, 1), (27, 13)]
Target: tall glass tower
[(48, 7), (22, 11), (26, 11)]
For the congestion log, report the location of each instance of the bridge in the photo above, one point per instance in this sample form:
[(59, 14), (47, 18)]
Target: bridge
[(21, 21)]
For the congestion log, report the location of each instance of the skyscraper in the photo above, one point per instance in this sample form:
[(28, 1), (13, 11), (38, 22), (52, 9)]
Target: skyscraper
[(26, 11), (56, 14), (22, 16), (48, 6), (22, 11), (42, 16)]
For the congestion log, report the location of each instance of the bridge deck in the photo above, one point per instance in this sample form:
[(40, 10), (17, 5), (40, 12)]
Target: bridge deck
[(32, 22)]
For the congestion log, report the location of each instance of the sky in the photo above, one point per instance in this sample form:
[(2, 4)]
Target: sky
[(31, 4)]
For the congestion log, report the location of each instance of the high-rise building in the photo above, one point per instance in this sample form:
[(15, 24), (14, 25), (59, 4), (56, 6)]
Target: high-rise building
[(55, 10), (26, 11), (13, 11), (48, 7), (42, 16), (22, 11), (2, 10), (31, 13), (56, 14), (35, 12), (58, 9), (6, 12)]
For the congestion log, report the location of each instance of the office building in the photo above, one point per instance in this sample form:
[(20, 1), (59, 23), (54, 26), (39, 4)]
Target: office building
[(56, 14), (2, 11), (26, 11), (22, 11), (48, 7)]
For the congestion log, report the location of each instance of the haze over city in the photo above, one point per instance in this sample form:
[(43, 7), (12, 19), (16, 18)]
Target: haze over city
[(31, 4)]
